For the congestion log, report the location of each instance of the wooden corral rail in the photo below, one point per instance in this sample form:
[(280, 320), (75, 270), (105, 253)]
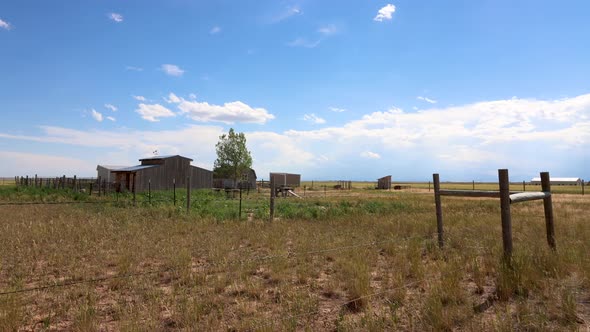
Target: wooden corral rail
[(506, 199)]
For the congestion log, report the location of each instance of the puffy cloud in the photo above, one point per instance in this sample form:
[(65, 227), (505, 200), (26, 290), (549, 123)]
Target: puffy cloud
[(96, 115), (111, 107), (116, 17), (313, 119), (140, 98), (385, 13), (426, 99), (229, 113), (153, 112), (172, 70), (5, 25), (172, 98), (370, 155)]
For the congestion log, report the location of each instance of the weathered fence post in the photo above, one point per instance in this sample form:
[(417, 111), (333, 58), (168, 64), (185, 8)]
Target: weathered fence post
[(99, 179), (188, 194), (240, 209), (174, 189), (523, 186), (150, 191), (90, 189), (548, 207), (439, 219), (582, 187), (272, 198), (428, 186), (304, 188), (505, 211), (473, 188), (75, 185), (63, 183), (134, 192), (36, 180)]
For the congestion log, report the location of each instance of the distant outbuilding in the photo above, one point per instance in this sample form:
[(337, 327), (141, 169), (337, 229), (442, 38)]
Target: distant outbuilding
[(286, 179), (560, 181), (384, 182), (104, 172), (160, 172)]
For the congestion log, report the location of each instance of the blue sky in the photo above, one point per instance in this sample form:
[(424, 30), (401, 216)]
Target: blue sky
[(329, 89)]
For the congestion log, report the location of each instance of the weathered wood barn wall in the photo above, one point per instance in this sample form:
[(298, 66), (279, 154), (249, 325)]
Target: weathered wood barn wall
[(160, 172), (104, 172), (384, 182), (286, 179)]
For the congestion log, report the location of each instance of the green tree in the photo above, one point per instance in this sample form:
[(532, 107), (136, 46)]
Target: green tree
[(233, 158)]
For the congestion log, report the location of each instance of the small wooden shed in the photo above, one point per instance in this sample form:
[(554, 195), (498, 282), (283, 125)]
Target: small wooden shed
[(286, 179), (384, 182), (248, 181)]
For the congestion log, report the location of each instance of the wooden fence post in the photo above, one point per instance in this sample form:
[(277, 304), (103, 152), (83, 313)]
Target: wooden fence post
[(188, 194), (548, 207), (523, 186), (75, 185), (504, 182), (150, 191), (63, 183), (439, 218), (174, 188), (582, 187), (134, 190), (473, 188), (272, 198)]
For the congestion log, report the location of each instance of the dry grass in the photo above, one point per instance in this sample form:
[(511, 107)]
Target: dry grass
[(370, 264)]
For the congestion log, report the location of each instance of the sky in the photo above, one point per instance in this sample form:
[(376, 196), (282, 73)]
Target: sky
[(333, 90)]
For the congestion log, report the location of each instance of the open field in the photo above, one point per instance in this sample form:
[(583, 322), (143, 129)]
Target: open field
[(358, 260)]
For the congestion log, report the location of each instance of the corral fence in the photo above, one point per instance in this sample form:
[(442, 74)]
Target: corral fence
[(506, 199)]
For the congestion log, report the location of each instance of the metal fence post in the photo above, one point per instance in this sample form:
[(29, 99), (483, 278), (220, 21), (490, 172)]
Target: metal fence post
[(548, 207), (439, 219), (174, 188), (505, 211), (150, 191)]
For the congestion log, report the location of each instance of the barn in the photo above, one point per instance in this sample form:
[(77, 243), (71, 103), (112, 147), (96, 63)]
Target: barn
[(248, 181), (560, 181), (160, 172), (286, 179), (103, 172)]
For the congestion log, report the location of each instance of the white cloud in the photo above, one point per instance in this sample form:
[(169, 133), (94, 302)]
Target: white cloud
[(426, 99), (286, 13), (133, 68), (96, 115), (385, 13), (229, 113), (5, 25), (303, 42), (328, 30), (172, 98), (336, 109), (20, 163), (116, 17), (370, 155), (313, 119), (153, 112), (111, 107), (111, 118), (172, 70), (215, 30), (140, 98), (524, 135)]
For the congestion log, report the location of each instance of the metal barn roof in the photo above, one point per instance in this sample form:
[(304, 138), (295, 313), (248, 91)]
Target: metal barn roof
[(111, 167), (135, 168), (558, 179), (164, 157)]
